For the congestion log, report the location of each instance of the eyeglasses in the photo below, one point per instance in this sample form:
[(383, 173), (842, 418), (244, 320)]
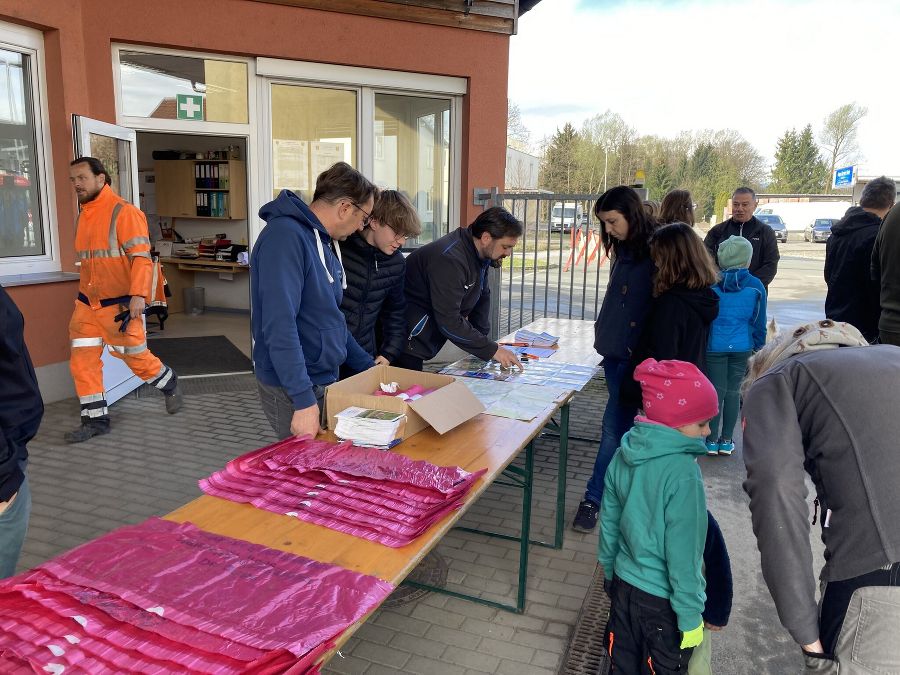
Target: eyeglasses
[(399, 238), (368, 216)]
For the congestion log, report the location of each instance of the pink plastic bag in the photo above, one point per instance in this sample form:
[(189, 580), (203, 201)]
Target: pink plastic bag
[(372, 494), (160, 597)]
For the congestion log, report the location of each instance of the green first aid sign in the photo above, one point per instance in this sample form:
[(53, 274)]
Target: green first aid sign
[(189, 107)]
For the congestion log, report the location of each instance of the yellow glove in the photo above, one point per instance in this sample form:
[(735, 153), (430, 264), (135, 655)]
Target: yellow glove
[(692, 638)]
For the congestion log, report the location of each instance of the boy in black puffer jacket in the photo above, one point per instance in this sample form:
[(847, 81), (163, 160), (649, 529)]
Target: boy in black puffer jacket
[(374, 301)]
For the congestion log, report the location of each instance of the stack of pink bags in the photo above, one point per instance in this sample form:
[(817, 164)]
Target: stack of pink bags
[(376, 495), (162, 597)]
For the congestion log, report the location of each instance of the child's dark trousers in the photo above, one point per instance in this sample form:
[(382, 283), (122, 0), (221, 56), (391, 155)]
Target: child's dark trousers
[(642, 634)]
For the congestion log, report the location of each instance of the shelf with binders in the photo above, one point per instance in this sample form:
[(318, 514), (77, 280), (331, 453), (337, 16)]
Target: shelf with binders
[(208, 189)]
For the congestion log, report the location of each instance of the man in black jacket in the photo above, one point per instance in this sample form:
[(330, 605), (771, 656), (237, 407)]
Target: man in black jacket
[(886, 271), (447, 292), (853, 296), (21, 410), (764, 262)]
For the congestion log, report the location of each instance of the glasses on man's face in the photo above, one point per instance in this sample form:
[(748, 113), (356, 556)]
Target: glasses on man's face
[(399, 238), (368, 216)]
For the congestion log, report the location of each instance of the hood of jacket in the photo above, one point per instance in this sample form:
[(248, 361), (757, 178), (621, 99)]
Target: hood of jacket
[(702, 301), (648, 440), (289, 205), (735, 279), (855, 219)]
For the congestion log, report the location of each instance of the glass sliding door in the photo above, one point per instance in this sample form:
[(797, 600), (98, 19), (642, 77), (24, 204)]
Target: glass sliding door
[(412, 138), (312, 128)]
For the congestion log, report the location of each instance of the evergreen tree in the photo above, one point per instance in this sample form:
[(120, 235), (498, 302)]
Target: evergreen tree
[(799, 168), (559, 168), (659, 180), (812, 171), (785, 162)]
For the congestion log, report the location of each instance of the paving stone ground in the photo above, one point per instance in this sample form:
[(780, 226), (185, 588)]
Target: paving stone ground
[(150, 463)]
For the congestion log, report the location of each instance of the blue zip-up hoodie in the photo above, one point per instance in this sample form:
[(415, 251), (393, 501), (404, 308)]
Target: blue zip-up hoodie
[(741, 324), (299, 332)]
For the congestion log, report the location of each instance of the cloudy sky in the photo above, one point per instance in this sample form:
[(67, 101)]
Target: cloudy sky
[(757, 66)]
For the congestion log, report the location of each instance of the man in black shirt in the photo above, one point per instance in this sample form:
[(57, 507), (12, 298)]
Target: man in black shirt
[(447, 292), (853, 295), (764, 262)]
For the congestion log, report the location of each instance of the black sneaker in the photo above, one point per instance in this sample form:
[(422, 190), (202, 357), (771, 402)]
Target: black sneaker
[(586, 518), (86, 432), (174, 399)]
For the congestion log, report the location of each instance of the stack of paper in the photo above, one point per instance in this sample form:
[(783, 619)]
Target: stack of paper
[(536, 339), (163, 597), (370, 428), (381, 496)]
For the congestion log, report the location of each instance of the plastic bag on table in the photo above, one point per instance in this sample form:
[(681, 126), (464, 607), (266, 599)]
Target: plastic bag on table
[(241, 591)]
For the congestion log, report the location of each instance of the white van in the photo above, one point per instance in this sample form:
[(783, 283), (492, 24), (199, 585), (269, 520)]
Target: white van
[(565, 215)]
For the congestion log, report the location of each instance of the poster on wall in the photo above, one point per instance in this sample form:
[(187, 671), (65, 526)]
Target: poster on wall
[(379, 139), (291, 164), (324, 155)]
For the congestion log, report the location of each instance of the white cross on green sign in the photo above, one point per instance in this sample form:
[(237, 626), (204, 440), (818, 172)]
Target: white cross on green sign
[(189, 107)]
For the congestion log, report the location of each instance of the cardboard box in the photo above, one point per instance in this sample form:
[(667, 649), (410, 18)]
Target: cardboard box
[(448, 407)]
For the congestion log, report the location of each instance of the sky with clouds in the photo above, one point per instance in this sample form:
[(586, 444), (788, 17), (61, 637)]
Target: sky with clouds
[(757, 66)]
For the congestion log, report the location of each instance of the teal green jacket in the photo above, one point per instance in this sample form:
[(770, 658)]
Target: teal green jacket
[(653, 518)]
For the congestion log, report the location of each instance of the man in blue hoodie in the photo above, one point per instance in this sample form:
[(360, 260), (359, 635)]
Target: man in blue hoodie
[(296, 285)]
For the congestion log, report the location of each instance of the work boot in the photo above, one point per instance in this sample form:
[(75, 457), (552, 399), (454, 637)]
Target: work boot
[(174, 399), (586, 518), (86, 431)]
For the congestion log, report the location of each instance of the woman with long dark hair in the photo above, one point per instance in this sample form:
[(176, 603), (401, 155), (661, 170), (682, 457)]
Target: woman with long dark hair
[(626, 231)]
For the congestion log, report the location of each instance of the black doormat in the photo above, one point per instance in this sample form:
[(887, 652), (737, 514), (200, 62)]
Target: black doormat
[(210, 355)]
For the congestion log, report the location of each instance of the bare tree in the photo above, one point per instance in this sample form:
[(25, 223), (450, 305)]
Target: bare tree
[(517, 134), (838, 135)]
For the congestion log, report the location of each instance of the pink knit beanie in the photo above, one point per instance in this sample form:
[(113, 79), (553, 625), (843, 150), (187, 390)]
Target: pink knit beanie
[(676, 393)]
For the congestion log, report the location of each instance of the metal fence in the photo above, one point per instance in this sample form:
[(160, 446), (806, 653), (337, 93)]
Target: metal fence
[(558, 267)]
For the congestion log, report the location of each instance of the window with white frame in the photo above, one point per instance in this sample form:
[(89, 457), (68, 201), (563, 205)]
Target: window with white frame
[(401, 129), (26, 242)]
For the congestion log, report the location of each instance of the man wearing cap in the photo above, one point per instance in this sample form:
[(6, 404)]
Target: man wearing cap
[(820, 403)]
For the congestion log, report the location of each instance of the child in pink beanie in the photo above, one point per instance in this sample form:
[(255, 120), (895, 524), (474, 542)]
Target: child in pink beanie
[(653, 522)]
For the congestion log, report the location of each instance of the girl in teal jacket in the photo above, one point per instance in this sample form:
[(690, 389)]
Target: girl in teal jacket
[(653, 522)]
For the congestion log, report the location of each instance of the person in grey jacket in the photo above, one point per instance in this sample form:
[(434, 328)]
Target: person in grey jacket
[(820, 401)]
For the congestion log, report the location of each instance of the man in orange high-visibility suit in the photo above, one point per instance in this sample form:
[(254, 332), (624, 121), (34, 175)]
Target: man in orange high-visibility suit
[(113, 245)]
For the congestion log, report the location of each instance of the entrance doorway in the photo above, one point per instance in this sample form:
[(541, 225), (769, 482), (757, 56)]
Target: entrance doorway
[(194, 192)]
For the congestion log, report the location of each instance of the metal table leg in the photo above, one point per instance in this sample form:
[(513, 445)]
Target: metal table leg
[(523, 478), (563, 465)]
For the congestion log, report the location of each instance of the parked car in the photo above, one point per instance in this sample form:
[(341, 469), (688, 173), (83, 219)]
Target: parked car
[(566, 215), (777, 225), (819, 229)]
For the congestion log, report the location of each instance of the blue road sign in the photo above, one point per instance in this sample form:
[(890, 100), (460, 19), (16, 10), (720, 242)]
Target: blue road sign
[(844, 177)]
